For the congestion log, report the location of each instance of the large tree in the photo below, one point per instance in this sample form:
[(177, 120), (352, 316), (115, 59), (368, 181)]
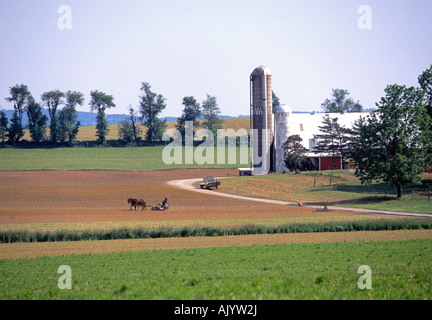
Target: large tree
[(53, 99), (68, 116), (341, 102), (19, 95), (191, 112), (294, 152), (425, 81), (99, 102), (211, 111), (151, 105), (37, 121), (352, 136), (394, 144)]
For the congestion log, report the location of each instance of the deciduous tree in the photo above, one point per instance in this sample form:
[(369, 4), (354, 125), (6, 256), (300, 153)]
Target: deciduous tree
[(394, 144), (191, 112), (211, 111), (37, 121), (99, 102), (352, 135), (151, 105), (68, 116), (340, 102), (19, 95), (53, 99), (425, 81)]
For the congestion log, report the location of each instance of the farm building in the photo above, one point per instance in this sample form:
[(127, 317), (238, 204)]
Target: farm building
[(287, 123), (284, 123)]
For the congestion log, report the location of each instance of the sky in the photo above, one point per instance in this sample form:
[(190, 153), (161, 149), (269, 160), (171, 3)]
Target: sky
[(199, 47)]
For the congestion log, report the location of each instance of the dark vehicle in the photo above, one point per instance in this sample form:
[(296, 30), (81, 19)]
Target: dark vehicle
[(209, 182)]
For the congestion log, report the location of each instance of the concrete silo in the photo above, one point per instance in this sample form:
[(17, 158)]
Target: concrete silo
[(282, 132), (261, 120)]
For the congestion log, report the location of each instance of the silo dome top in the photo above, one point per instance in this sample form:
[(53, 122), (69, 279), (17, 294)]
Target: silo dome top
[(284, 109), (261, 70)]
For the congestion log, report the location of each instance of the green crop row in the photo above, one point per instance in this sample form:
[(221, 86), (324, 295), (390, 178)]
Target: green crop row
[(142, 233)]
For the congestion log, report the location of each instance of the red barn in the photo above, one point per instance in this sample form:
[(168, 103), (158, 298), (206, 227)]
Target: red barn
[(328, 163)]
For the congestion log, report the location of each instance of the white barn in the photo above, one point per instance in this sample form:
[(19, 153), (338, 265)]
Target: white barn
[(306, 125)]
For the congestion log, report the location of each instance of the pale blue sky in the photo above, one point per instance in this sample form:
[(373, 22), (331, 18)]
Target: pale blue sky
[(199, 47)]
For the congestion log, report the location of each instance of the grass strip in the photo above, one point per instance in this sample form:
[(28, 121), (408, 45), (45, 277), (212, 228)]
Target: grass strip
[(143, 233)]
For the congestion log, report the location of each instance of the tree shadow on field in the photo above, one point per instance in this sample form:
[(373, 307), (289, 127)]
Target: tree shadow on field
[(364, 200), (372, 193)]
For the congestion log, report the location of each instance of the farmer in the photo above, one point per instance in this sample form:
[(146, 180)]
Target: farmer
[(163, 202)]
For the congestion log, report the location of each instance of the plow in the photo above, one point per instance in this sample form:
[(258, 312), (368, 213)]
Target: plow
[(161, 207)]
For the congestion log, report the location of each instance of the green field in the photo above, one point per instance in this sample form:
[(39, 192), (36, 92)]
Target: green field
[(400, 270), (127, 158)]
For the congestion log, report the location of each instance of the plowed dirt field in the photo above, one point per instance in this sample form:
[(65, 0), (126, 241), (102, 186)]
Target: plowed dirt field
[(79, 196)]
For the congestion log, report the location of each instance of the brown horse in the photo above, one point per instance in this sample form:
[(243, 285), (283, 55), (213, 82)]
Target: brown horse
[(137, 203)]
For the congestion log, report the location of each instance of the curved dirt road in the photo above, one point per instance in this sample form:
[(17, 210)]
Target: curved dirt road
[(187, 184)]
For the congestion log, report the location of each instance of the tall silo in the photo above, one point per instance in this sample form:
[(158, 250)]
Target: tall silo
[(261, 105), (282, 132)]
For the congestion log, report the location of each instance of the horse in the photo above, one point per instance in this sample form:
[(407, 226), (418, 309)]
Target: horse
[(137, 203)]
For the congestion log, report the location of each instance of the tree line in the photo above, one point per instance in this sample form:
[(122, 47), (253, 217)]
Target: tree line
[(62, 126), (62, 120), (393, 144), (63, 123), (150, 106)]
